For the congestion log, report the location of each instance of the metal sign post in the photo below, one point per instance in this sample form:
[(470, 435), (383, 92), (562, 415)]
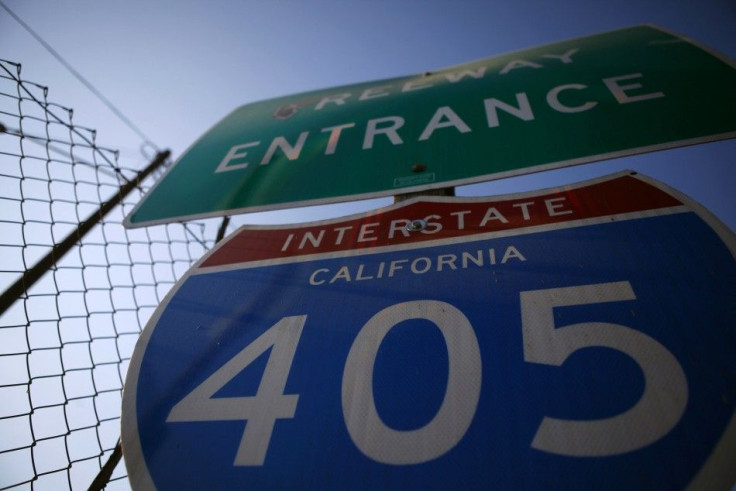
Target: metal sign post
[(571, 338)]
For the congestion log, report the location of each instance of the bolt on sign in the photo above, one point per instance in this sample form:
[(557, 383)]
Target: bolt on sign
[(572, 338), (619, 93)]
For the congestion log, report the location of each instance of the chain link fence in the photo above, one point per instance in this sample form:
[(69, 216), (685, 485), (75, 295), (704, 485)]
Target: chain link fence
[(65, 341)]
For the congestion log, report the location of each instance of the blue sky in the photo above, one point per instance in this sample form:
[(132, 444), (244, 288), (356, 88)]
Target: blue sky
[(176, 67)]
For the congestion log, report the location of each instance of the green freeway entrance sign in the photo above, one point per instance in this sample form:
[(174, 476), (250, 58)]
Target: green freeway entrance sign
[(618, 93)]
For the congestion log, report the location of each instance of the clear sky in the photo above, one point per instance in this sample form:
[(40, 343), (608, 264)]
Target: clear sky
[(177, 67)]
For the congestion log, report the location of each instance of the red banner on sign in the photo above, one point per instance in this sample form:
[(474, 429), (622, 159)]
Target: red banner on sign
[(409, 222)]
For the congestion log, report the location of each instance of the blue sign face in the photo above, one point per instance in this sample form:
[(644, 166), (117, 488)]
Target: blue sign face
[(593, 353)]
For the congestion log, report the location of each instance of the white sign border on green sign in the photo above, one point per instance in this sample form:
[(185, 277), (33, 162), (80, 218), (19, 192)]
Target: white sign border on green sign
[(424, 182)]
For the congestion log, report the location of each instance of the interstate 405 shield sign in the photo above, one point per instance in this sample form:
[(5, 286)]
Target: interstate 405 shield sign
[(574, 338)]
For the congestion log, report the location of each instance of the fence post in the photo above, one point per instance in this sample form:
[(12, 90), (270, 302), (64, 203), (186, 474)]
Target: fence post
[(103, 477)]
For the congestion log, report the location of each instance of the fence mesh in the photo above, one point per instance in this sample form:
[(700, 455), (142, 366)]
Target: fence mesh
[(65, 344)]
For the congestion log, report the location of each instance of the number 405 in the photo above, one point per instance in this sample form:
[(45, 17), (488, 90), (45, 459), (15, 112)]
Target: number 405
[(656, 412)]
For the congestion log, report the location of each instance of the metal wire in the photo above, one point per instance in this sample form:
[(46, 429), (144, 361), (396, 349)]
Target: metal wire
[(66, 342), (147, 141)]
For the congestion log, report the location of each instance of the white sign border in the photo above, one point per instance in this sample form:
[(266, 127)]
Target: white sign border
[(444, 184)]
